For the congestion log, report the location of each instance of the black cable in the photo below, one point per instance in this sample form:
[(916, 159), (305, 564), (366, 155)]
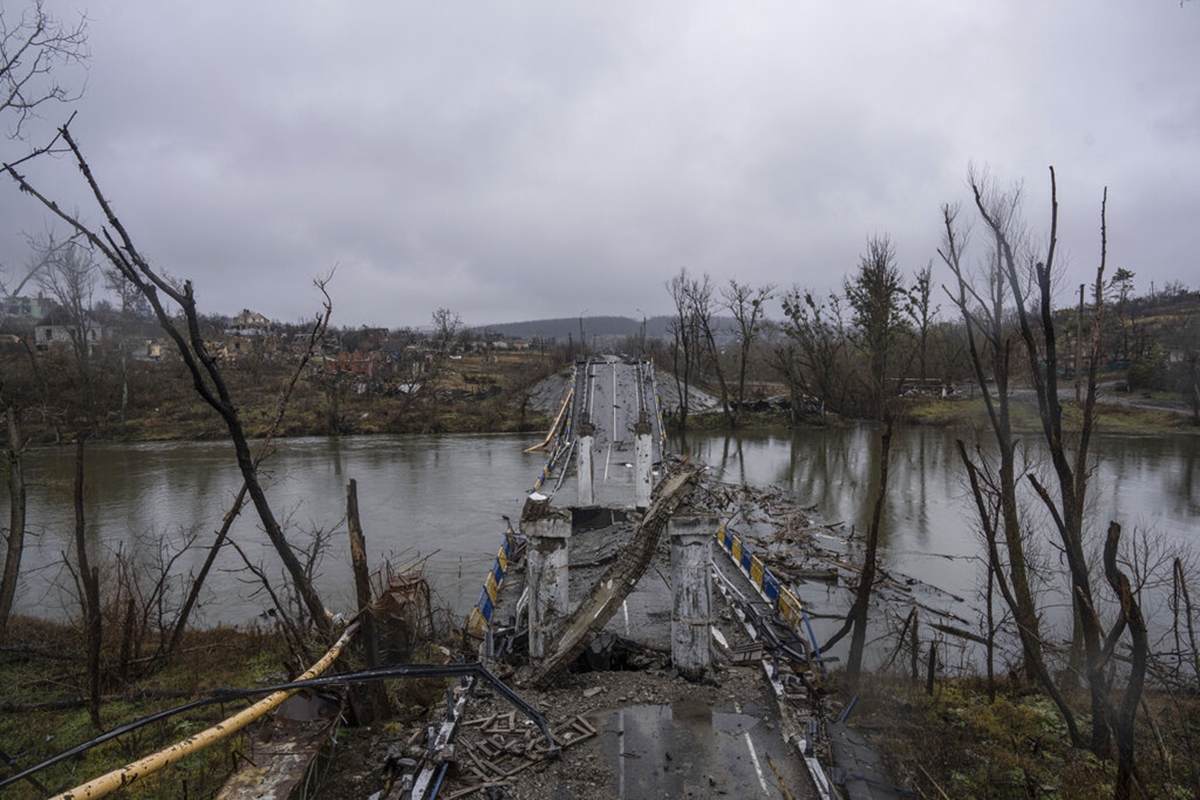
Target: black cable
[(361, 676)]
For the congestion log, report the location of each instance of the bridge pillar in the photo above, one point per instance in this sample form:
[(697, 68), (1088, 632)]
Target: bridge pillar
[(547, 570), (583, 463), (691, 536), (642, 449)]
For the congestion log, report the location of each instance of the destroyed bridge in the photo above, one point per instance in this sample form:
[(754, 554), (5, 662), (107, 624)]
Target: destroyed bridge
[(581, 583), (584, 574)]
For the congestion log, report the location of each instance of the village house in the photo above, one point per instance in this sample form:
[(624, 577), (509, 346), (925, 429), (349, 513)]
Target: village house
[(59, 328)]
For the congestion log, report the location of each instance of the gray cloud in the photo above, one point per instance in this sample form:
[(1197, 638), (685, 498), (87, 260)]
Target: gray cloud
[(519, 161)]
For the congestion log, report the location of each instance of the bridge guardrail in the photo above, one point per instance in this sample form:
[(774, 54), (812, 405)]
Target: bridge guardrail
[(481, 615), (768, 586), (563, 440), (658, 410)]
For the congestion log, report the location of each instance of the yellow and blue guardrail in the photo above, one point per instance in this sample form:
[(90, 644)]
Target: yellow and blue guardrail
[(481, 614), (781, 599)]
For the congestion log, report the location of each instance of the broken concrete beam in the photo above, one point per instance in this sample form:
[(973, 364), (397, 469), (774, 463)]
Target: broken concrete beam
[(617, 581), (642, 450), (583, 463), (691, 613), (547, 572)]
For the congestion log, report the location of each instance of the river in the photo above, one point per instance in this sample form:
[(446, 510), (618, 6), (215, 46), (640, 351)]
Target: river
[(443, 498)]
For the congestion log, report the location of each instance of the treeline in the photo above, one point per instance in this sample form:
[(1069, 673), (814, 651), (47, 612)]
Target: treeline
[(884, 334), (856, 350)]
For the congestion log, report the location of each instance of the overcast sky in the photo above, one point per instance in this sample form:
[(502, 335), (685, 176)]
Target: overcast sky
[(515, 161)]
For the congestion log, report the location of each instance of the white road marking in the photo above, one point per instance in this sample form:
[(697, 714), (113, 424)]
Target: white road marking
[(757, 766), (737, 709)]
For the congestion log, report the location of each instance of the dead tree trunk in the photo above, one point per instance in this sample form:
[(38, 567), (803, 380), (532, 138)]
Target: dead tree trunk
[(375, 703), (239, 502), (89, 580), (856, 620), (207, 378), (1131, 614), (16, 521)]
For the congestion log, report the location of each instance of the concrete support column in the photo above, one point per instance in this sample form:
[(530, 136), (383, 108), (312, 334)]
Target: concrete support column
[(691, 538), (642, 449), (583, 463), (547, 570)]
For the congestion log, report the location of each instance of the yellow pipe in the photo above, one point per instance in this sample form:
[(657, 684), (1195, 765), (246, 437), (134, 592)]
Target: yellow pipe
[(163, 758)]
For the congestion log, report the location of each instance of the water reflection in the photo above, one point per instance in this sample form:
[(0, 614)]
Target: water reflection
[(1147, 482), (444, 496), (436, 496)]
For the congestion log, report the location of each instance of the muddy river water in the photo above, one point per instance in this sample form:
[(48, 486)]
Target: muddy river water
[(442, 499)]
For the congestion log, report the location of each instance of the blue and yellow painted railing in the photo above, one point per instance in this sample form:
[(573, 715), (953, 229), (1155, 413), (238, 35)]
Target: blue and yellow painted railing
[(481, 614), (781, 599)]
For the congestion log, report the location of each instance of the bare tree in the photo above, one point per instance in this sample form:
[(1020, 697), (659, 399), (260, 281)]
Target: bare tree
[(747, 307), (207, 378), (1021, 283), (684, 336), (922, 312), (819, 332), (990, 342), (264, 449), (446, 324), (70, 278), (700, 299), (1041, 350), (32, 45)]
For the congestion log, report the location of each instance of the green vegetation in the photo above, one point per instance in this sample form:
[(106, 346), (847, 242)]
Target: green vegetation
[(1113, 417), (959, 742), (42, 679)]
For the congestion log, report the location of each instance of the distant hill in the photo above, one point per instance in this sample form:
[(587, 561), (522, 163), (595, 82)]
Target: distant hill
[(560, 329), (602, 329)]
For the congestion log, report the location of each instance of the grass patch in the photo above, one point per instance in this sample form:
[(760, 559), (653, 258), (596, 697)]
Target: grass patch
[(961, 743), (1111, 417), (42, 670)]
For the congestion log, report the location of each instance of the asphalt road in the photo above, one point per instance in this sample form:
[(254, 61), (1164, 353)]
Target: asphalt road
[(613, 394)]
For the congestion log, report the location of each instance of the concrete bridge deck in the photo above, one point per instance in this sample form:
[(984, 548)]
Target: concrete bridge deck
[(613, 436)]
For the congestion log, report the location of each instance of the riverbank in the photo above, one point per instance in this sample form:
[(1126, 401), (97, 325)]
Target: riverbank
[(953, 742), (486, 392), (501, 392), (1115, 413)]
